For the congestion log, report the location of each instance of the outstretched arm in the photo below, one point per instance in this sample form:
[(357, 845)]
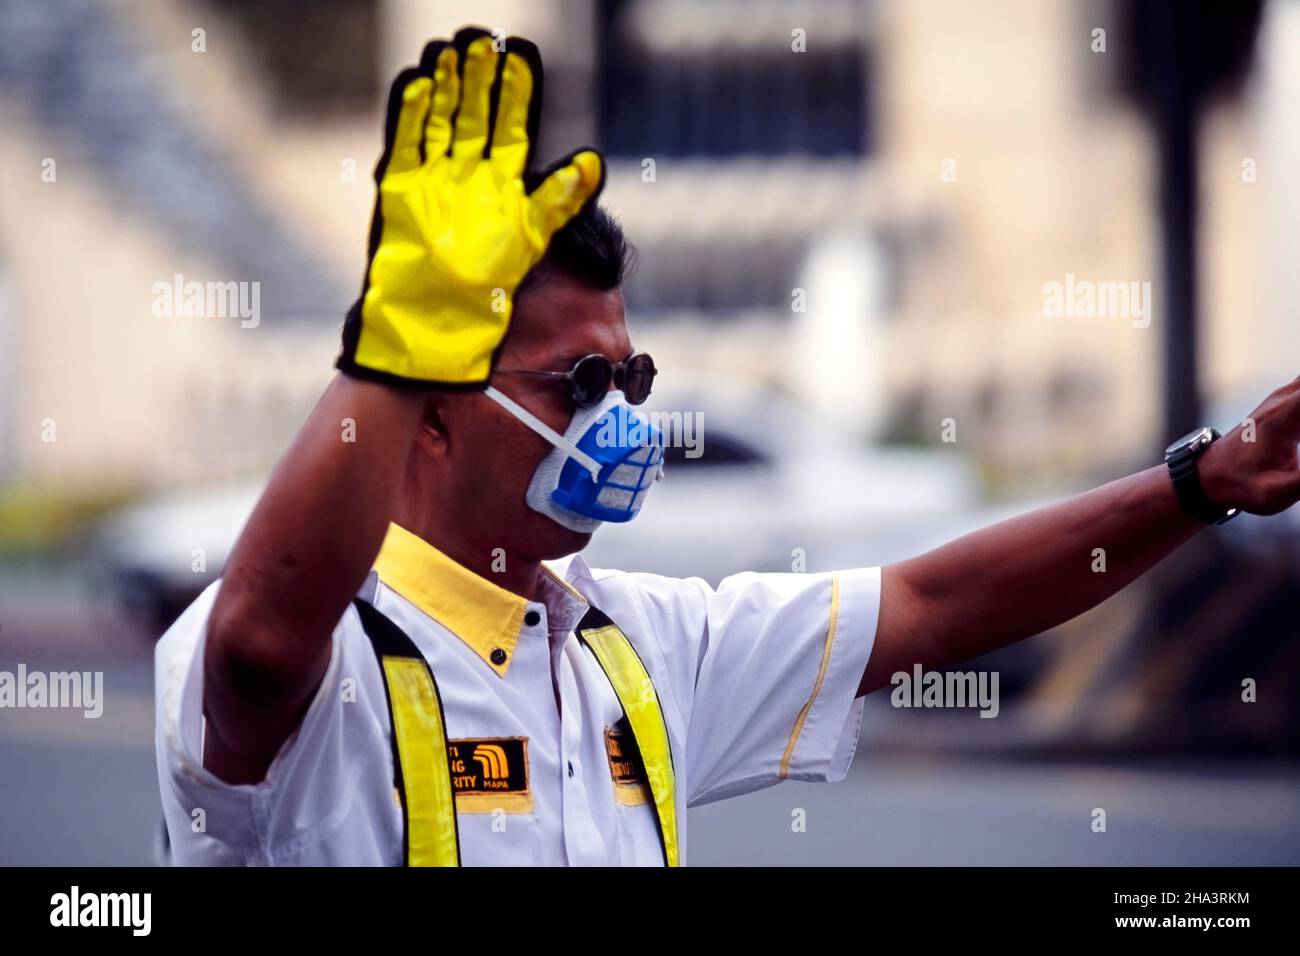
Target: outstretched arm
[(1025, 575)]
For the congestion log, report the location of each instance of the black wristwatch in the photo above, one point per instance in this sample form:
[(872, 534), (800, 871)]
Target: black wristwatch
[(1181, 458)]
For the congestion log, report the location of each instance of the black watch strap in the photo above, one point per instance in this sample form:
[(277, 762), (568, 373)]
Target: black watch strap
[(1187, 485), (1187, 481)]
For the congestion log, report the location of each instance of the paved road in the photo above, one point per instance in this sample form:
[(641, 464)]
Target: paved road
[(77, 791), (904, 813)]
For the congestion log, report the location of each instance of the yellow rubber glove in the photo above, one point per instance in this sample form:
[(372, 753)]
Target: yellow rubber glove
[(455, 229)]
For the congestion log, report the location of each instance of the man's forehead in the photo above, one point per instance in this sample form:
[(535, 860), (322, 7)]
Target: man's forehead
[(562, 318)]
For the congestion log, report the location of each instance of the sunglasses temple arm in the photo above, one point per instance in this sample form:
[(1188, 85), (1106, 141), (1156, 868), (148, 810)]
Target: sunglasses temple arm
[(546, 431)]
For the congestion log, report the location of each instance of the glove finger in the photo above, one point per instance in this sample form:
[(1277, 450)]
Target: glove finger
[(518, 108), (408, 101), (440, 63), (478, 71), (564, 192)]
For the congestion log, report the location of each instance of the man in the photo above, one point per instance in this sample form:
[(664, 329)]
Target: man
[(389, 673)]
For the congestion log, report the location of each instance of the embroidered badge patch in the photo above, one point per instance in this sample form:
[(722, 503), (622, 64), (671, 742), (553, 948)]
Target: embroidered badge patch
[(625, 766), (490, 773)]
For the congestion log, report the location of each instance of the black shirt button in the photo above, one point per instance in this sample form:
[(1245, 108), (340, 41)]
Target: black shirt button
[(532, 618), (498, 656), (570, 768)]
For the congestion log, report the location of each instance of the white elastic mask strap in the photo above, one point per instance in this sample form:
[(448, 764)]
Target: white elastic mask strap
[(545, 430)]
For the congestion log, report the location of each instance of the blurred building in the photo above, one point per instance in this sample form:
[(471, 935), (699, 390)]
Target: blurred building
[(858, 202)]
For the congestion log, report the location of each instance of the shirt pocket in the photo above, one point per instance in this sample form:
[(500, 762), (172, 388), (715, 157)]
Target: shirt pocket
[(497, 836), (638, 835), (634, 807)]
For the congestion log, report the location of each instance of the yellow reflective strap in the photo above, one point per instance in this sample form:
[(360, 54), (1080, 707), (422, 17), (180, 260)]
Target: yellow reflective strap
[(421, 743), (640, 703)]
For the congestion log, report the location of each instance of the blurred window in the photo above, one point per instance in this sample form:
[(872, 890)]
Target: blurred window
[(719, 78), (318, 55)]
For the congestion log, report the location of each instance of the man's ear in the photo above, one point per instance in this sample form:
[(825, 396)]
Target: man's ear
[(431, 436)]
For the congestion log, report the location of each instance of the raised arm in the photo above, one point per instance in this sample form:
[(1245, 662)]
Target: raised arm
[(302, 556), (455, 231), (1025, 575)]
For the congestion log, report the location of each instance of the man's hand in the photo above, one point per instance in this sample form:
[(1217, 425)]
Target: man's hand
[(455, 230), (1255, 467)]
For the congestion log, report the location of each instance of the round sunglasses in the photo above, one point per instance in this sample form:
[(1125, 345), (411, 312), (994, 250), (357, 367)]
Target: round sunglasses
[(590, 377)]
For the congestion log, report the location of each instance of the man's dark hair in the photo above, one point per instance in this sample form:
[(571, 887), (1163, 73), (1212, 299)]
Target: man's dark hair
[(591, 248)]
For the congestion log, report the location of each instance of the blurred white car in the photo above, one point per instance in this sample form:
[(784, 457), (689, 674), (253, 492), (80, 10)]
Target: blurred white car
[(772, 487), (764, 485)]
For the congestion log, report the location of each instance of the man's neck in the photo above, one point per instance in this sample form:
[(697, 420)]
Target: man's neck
[(514, 574)]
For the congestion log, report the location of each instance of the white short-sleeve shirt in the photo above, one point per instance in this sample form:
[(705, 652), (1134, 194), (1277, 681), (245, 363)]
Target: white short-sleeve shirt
[(757, 680)]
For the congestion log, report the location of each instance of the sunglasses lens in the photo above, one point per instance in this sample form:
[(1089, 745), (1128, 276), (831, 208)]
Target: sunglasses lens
[(590, 379), (638, 377)]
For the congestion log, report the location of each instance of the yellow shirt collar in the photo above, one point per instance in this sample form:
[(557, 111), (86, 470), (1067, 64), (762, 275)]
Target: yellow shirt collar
[(486, 617)]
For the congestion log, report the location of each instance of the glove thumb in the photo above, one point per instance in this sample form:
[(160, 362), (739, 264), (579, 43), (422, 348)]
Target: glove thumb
[(574, 181)]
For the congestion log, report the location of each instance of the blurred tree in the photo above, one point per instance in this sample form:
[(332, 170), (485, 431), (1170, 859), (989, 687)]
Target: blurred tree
[(1183, 52)]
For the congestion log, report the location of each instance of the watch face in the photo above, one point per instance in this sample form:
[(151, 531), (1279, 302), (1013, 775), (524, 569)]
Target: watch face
[(1192, 441)]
